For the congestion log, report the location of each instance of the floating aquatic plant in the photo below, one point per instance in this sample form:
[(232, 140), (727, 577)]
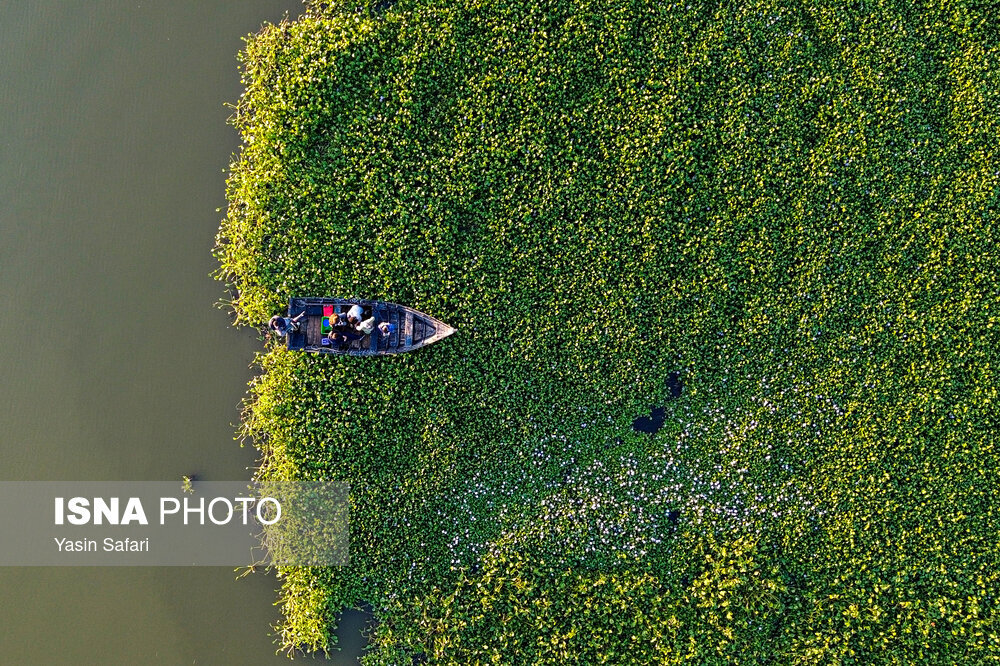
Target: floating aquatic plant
[(790, 207)]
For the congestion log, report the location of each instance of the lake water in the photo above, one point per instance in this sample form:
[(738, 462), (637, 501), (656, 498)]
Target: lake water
[(115, 363)]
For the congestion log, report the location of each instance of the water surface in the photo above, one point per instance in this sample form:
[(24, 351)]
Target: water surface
[(115, 363)]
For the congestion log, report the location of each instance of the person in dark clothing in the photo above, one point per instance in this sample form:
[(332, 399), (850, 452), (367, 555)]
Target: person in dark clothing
[(338, 321), (282, 326), (341, 341)]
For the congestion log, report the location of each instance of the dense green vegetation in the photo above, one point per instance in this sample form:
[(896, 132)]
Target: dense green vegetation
[(793, 205)]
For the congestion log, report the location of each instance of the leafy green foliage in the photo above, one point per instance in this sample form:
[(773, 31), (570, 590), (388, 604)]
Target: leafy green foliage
[(542, 614), (794, 206)]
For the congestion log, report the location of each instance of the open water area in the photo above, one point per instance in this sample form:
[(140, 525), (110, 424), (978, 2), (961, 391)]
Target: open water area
[(116, 364)]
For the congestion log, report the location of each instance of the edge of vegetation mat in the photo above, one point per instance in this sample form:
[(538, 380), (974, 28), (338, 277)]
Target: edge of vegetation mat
[(793, 206)]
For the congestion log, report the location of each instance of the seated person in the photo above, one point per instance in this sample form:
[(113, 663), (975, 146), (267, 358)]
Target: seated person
[(340, 324), (354, 315), (341, 341), (337, 321), (282, 326), (387, 329)]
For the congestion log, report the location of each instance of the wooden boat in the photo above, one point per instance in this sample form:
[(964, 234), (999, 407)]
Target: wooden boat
[(413, 329)]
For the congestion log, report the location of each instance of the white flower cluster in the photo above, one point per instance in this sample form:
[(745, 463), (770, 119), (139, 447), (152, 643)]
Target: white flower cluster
[(722, 469)]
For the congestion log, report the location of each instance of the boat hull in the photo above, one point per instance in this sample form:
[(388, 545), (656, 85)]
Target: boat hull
[(414, 329)]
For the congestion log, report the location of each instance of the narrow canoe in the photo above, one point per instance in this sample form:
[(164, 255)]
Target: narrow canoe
[(413, 329)]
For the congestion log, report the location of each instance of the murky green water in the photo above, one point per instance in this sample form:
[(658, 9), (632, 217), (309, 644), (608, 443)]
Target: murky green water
[(115, 364)]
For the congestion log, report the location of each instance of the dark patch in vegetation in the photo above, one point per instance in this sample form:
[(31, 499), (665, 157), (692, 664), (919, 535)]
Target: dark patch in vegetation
[(674, 385), (650, 424), (382, 6)]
